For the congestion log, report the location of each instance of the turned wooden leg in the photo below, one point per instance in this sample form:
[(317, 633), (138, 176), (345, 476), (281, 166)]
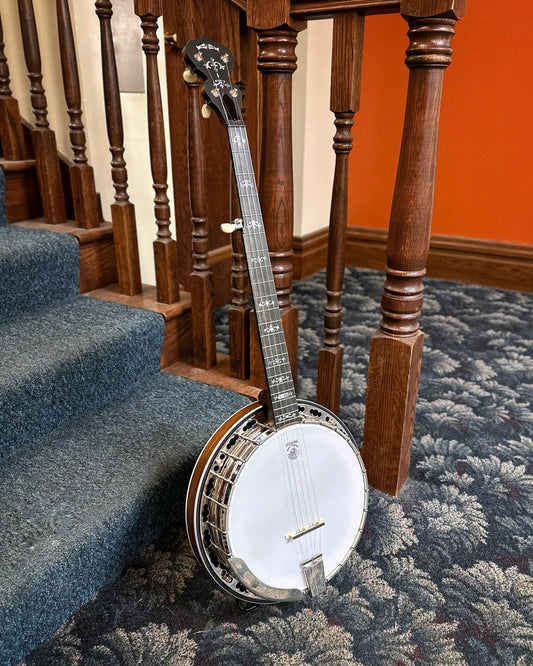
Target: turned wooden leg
[(396, 348), (277, 62)]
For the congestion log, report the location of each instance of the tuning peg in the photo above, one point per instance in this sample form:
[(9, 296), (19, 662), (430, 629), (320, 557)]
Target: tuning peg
[(229, 227), (171, 38), (189, 76), (206, 111)]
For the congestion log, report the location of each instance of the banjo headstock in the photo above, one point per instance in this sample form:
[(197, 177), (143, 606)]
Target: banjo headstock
[(213, 62)]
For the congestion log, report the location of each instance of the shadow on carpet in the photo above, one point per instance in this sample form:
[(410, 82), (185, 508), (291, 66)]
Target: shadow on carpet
[(443, 574)]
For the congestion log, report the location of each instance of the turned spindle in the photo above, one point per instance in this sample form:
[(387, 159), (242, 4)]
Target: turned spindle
[(165, 248), (396, 348), (122, 210), (11, 133), (43, 138), (277, 63), (348, 34), (85, 199)]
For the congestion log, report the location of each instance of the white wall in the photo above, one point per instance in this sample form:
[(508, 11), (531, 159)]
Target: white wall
[(312, 121), (313, 129)]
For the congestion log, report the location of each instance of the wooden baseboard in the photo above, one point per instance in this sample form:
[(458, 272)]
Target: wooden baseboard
[(310, 253), (475, 261)]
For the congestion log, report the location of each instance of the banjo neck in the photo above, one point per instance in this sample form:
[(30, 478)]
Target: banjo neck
[(269, 326)]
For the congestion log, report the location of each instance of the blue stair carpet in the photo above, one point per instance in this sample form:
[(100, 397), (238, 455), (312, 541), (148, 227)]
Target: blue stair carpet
[(443, 573), (67, 357), (96, 444), (82, 501)]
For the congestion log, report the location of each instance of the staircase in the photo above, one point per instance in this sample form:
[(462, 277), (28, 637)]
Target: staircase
[(96, 443)]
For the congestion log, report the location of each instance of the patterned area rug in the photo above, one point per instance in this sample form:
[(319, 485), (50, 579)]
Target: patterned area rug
[(443, 574)]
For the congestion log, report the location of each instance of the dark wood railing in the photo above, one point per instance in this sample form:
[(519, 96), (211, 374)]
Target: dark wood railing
[(263, 41)]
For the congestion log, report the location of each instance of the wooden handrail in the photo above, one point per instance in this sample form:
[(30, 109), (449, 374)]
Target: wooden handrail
[(122, 210)]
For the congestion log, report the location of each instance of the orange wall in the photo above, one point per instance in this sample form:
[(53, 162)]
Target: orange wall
[(484, 184)]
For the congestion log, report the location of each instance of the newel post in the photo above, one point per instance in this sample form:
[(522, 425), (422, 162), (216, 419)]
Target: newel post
[(396, 348)]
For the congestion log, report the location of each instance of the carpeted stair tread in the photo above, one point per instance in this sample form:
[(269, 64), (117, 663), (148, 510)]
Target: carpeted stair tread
[(65, 358), (37, 267), (79, 503)]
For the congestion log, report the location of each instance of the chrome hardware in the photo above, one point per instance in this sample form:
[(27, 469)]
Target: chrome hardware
[(229, 227), (315, 577), (189, 76), (264, 591), (171, 38), (234, 92)]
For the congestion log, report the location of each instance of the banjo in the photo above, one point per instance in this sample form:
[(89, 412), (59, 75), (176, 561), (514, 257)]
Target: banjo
[(277, 503)]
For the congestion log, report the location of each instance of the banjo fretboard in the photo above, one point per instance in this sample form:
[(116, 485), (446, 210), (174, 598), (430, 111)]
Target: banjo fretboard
[(271, 336)]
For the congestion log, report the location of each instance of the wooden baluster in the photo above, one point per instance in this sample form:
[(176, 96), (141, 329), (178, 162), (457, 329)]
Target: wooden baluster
[(11, 135), (277, 62), (396, 348), (348, 33), (201, 278), (43, 138), (122, 210), (165, 248), (85, 199), (239, 312)]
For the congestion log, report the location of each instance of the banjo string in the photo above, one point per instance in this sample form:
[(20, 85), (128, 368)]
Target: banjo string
[(302, 492)]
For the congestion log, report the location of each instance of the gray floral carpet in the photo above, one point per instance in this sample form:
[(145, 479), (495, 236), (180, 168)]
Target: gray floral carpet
[(443, 574)]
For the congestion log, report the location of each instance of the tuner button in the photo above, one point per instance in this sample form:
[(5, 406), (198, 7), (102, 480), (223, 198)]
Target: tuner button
[(189, 76), (206, 111)]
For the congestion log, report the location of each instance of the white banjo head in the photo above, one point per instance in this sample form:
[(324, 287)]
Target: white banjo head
[(267, 501)]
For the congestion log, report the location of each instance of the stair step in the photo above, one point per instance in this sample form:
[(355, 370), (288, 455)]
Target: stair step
[(67, 357), (23, 200), (79, 504), (36, 269)]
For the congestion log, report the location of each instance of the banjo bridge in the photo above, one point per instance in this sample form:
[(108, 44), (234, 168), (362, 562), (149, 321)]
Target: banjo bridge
[(305, 530)]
